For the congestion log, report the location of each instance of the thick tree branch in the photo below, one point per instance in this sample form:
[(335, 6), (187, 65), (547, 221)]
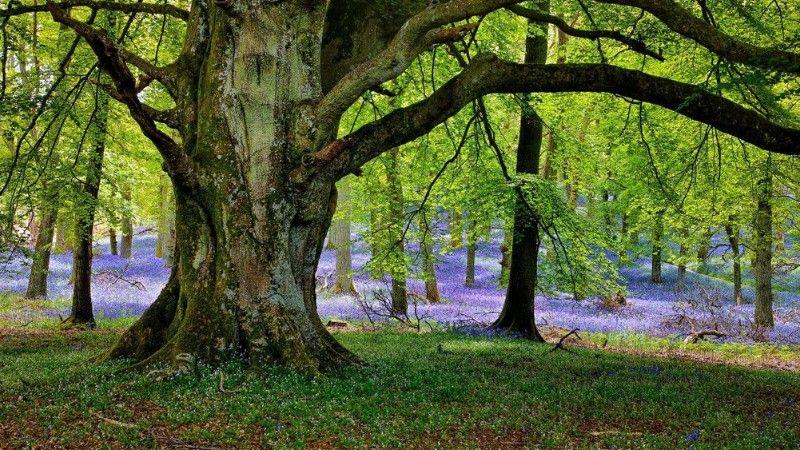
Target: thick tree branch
[(178, 165), (539, 16), (145, 8), (165, 75), (418, 34), (488, 74), (683, 22), (168, 117)]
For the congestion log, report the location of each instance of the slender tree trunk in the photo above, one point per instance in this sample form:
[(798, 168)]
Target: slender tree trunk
[(682, 253), (63, 243), (472, 247), (518, 315), (428, 259), (762, 252), (340, 237), (505, 254), (126, 247), (397, 250), (704, 251), (733, 239), (456, 229), (658, 248), (82, 257), (165, 245), (40, 266), (112, 238)]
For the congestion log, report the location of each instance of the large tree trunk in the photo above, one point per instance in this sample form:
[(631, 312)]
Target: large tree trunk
[(340, 238), (518, 315), (40, 266), (248, 240), (733, 239), (762, 252)]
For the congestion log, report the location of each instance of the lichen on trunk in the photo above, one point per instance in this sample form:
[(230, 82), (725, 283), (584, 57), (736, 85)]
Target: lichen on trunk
[(247, 241)]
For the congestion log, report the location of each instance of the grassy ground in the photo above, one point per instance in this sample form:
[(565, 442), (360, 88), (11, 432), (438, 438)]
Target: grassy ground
[(430, 390)]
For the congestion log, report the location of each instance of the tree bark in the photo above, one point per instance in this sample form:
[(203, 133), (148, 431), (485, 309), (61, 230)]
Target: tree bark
[(518, 315), (733, 239), (340, 238), (112, 238), (248, 239), (63, 243), (165, 245), (397, 253), (126, 247), (428, 258), (472, 244), (682, 253), (762, 251), (40, 265), (456, 229), (658, 248), (82, 314)]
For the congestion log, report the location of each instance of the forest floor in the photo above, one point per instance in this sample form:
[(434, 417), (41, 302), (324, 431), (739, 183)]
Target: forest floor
[(125, 288), (423, 390)]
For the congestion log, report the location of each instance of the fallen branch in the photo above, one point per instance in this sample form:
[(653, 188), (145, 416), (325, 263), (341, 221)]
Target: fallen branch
[(117, 423), (560, 344), (221, 387), (693, 338)]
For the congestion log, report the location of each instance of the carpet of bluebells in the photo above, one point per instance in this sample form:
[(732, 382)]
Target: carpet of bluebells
[(124, 288)]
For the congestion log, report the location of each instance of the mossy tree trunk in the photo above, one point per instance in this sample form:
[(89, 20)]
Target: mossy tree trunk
[(428, 258), (247, 241), (456, 229), (40, 265), (340, 239), (763, 251), (396, 228), (165, 244), (734, 241), (112, 239), (126, 223)]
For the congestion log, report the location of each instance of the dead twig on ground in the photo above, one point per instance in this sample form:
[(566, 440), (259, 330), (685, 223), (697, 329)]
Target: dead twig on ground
[(560, 344)]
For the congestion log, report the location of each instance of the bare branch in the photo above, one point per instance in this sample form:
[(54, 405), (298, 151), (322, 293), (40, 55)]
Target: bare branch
[(145, 8), (539, 16), (683, 22)]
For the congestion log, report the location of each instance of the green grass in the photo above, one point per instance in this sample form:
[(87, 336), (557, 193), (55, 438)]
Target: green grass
[(474, 393)]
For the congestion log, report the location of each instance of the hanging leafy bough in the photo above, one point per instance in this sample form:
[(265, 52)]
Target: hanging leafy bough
[(259, 90), (579, 252)]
